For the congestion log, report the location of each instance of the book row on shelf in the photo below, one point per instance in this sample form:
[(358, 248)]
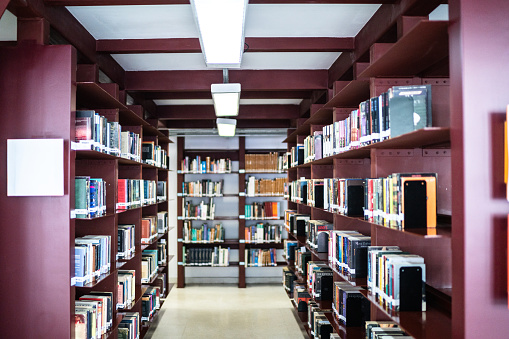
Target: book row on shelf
[(262, 233), (262, 210), (150, 302), (126, 241), (95, 132), (136, 192), (92, 258), (264, 187), (395, 279), (401, 110), (257, 257), (152, 226), (197, 165), (201, 211), (202, 187), (126, 288), (401, 200), (204, 233), (268, 162), (149, 265), (216, 256)]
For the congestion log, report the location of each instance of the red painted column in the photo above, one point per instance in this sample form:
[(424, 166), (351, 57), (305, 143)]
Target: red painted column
[(479, 55)]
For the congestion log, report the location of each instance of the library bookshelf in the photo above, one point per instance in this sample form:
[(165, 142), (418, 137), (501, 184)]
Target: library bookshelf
[(425, 150), (50, 86), (234, 191)]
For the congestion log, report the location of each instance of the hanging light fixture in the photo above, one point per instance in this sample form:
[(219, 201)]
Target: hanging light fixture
[(226, 127)]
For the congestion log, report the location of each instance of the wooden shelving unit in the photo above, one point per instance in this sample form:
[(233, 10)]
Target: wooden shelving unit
[(425, 150)]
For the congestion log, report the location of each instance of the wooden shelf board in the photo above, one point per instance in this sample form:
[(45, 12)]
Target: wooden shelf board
[(351, 95), (430, 324), (423, 46)]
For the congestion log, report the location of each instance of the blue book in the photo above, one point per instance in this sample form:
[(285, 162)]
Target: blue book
[(94, 197)]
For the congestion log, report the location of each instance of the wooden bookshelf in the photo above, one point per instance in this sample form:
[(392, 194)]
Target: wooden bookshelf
[(430, 150), (55, 103), (239, 244)]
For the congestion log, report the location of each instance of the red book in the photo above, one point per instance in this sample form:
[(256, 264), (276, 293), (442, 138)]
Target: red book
[(145, 229), (122, 193)]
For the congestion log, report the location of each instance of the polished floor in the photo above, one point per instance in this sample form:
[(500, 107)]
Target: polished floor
[(225, 311)]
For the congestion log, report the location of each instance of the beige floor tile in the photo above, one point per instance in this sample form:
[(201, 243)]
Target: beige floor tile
[(225, 311)]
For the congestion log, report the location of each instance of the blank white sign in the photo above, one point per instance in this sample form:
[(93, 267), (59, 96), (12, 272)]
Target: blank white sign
[(35, 167)]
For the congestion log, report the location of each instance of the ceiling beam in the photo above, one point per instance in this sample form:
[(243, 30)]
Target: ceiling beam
[(192, 45), (243, 95), (240, 123), (3, 6), (379, 24), (186, 2), (251, 80), (246, 112)]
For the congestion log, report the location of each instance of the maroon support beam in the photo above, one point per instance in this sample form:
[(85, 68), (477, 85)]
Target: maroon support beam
[(3, 6), (63, 22), (192, 45), (240, 123), (33, 29), (205, 94), (479, 95), (386, 17), (251, 80), (246, 112), (186, 2)]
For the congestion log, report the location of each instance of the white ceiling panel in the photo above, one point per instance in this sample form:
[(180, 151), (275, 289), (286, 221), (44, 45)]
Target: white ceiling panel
[(264, 20), (307, 20), (137, 22), (172, 102), (250, 61)]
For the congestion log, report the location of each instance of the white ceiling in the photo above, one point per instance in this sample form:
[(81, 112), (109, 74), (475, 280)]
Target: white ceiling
[(172, 102), (176, 21), (195, 61), (8, 27)]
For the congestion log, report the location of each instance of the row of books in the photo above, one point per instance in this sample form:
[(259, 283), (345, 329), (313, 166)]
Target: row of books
[(401, 110), (255, 257), (397, 278), (318, 323), (162, 222), (376, 329), (91, 258), (348, 252), (89, 197), (154, 155), (200, 188), (129, 327), (149, 265), (261, 233), (269, 162), (136, 192), (93, 315), (150, 302), (152, 226), (202, 211), (349, 305), (126, 241), (126, 288), (95, 132), (197, 165), (264, 187), (401, 200), (205, 233), (262, 210), (216, 256), (319, 280)]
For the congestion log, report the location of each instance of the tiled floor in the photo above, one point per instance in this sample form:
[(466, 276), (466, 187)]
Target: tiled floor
[(205, 311)]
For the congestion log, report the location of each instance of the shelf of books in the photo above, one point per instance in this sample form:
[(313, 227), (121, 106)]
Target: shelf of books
[(369, 195), (209, 192)]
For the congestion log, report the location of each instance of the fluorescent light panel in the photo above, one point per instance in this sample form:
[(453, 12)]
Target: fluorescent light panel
[(221, 26), (226, 127), (226, 99)]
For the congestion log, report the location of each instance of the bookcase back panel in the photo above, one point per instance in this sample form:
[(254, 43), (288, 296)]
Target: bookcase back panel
[(342, 222), (319, 214), (321, 171), (352, 168)]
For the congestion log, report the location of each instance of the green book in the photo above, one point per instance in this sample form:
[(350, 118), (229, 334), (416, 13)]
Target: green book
[(81, 196)]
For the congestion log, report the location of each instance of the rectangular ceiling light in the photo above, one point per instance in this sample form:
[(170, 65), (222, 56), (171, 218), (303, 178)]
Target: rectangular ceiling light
[(221, 26), (226, 99), (226, 127)]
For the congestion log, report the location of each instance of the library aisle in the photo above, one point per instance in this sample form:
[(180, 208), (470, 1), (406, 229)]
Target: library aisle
[(219, 311)]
